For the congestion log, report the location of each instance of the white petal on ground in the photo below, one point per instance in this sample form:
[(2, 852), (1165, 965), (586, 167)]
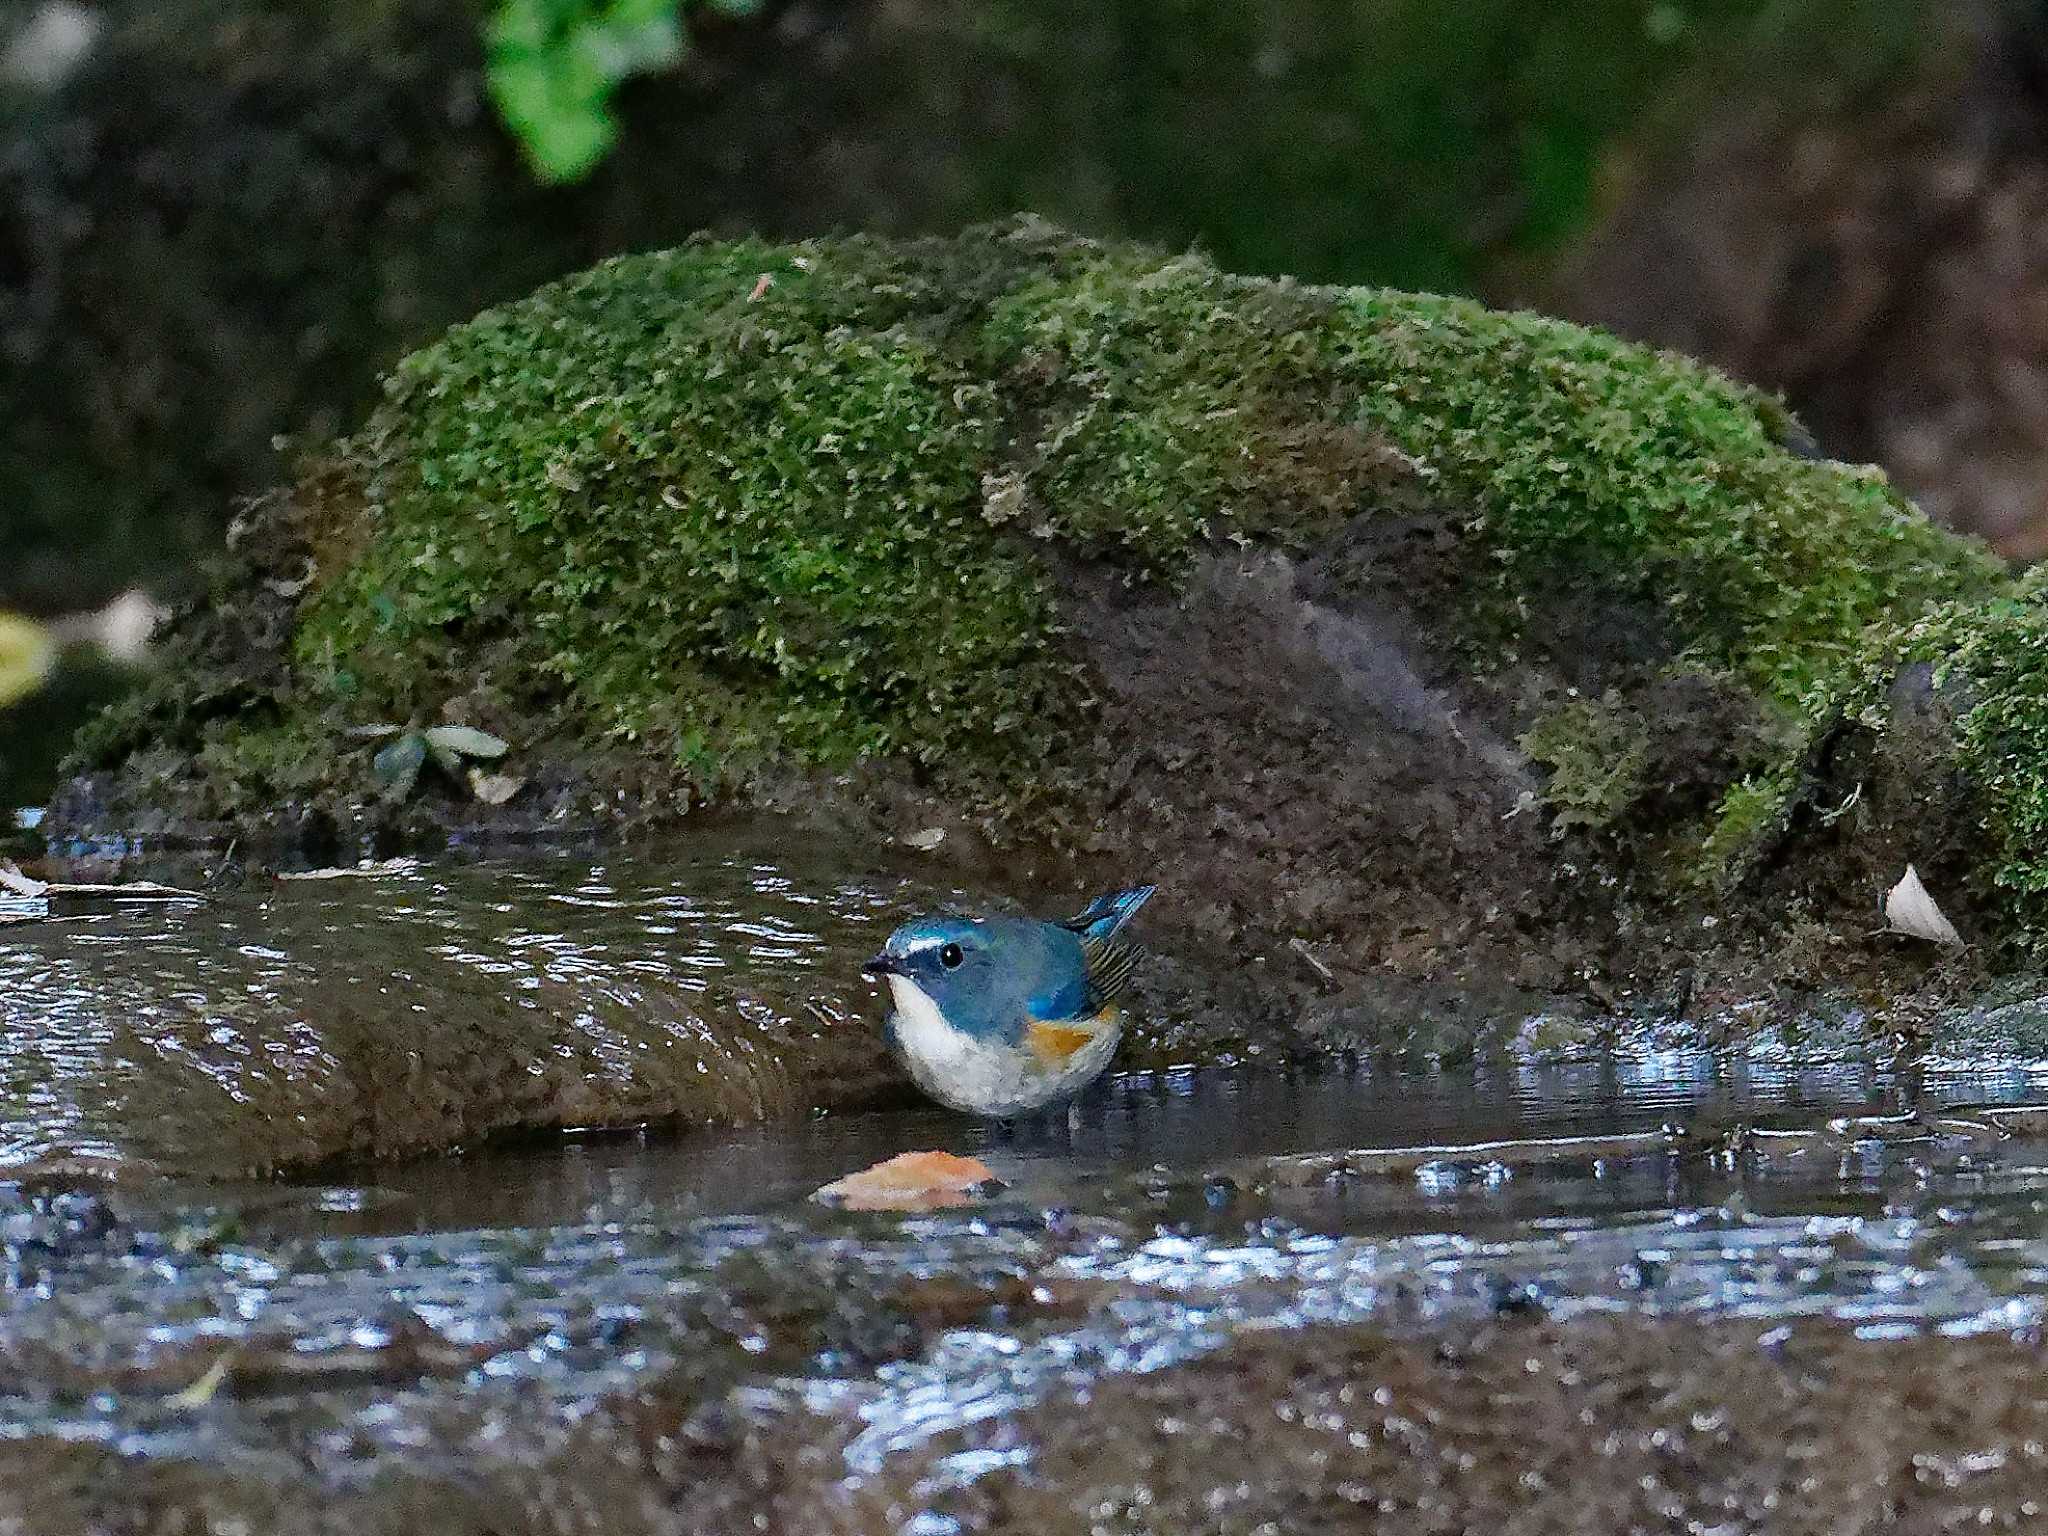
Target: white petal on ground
[(15, 883), (1910, 910), (494, 788)]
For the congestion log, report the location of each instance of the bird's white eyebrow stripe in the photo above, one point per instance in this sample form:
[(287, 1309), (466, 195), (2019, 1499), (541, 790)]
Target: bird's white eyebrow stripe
[(920, 946)]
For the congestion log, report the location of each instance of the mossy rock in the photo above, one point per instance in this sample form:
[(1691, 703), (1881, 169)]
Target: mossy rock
[(1262, 586), (1930, 748)]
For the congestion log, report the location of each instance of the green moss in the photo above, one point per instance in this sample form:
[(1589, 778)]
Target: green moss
[(731, 524), (1995, 655), (1174, 406), (257, 764), (1748, 814), (1580, 451), (745, 505), (1597, 751), (1989, 657)]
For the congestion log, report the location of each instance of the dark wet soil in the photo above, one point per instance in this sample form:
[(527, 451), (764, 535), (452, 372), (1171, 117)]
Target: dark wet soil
[(1603, 1425), (1521, 1425)]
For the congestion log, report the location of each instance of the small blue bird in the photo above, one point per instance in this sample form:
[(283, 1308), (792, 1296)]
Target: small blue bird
[(1002, 1015)]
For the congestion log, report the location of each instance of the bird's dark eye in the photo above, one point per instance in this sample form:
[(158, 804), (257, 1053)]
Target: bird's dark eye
[(950, 957)]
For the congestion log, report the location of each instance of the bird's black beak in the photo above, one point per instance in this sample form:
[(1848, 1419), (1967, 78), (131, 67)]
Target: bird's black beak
[(883, 965)]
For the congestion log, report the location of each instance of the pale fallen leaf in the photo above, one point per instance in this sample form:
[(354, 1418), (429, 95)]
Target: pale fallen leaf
[(465, 741), (13, 881), (201, 1392), (397, 767), (445, 757), (927, 840), (494, 788), (912, 1181), (367, 867), (1910, 910)]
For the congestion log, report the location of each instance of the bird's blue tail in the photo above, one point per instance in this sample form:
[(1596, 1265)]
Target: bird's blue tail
[(1106, 914)]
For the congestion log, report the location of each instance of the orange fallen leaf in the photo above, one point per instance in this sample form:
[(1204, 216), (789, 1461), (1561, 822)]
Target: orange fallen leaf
[(912, 1181)]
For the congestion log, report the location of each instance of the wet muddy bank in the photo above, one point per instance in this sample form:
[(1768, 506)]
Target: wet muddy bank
[(290, 1020), (1591, 1427)]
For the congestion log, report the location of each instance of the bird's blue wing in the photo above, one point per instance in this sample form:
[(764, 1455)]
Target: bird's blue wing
[(1059, 985), (1049, 969)]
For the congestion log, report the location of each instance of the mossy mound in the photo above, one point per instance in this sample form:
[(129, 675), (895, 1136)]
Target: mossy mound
[(697, 525)]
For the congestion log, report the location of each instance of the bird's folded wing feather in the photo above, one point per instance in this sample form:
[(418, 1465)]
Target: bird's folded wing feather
[(1109, 963)]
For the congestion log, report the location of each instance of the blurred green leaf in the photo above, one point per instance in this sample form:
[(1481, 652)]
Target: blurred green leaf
[(27, 657), (398, 766), (554, 65)]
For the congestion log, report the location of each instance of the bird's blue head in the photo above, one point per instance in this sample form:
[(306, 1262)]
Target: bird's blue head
[(970, 968)]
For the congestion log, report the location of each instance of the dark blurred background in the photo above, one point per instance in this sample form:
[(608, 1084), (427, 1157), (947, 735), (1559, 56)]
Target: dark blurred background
[(220, 218)]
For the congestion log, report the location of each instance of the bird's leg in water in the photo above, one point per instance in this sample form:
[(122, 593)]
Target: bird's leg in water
[(1037, 1127)]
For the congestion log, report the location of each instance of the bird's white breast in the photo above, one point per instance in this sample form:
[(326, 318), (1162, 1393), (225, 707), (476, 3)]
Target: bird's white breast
[(984, 1077)]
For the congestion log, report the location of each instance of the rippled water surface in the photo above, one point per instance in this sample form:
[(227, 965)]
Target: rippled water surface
[(367, 1314), (282, 1022)]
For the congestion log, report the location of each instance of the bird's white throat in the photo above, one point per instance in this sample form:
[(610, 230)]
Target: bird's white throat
[(984, 1077)]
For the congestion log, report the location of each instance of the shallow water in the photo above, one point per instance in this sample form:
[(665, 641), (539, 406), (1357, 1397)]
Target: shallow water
[(484, 1306), (279, 1023), (457, 1318)]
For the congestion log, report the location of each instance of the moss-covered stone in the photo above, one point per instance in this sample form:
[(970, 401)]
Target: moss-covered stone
[(1255, 584), (1975, 775), (739, 502)]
